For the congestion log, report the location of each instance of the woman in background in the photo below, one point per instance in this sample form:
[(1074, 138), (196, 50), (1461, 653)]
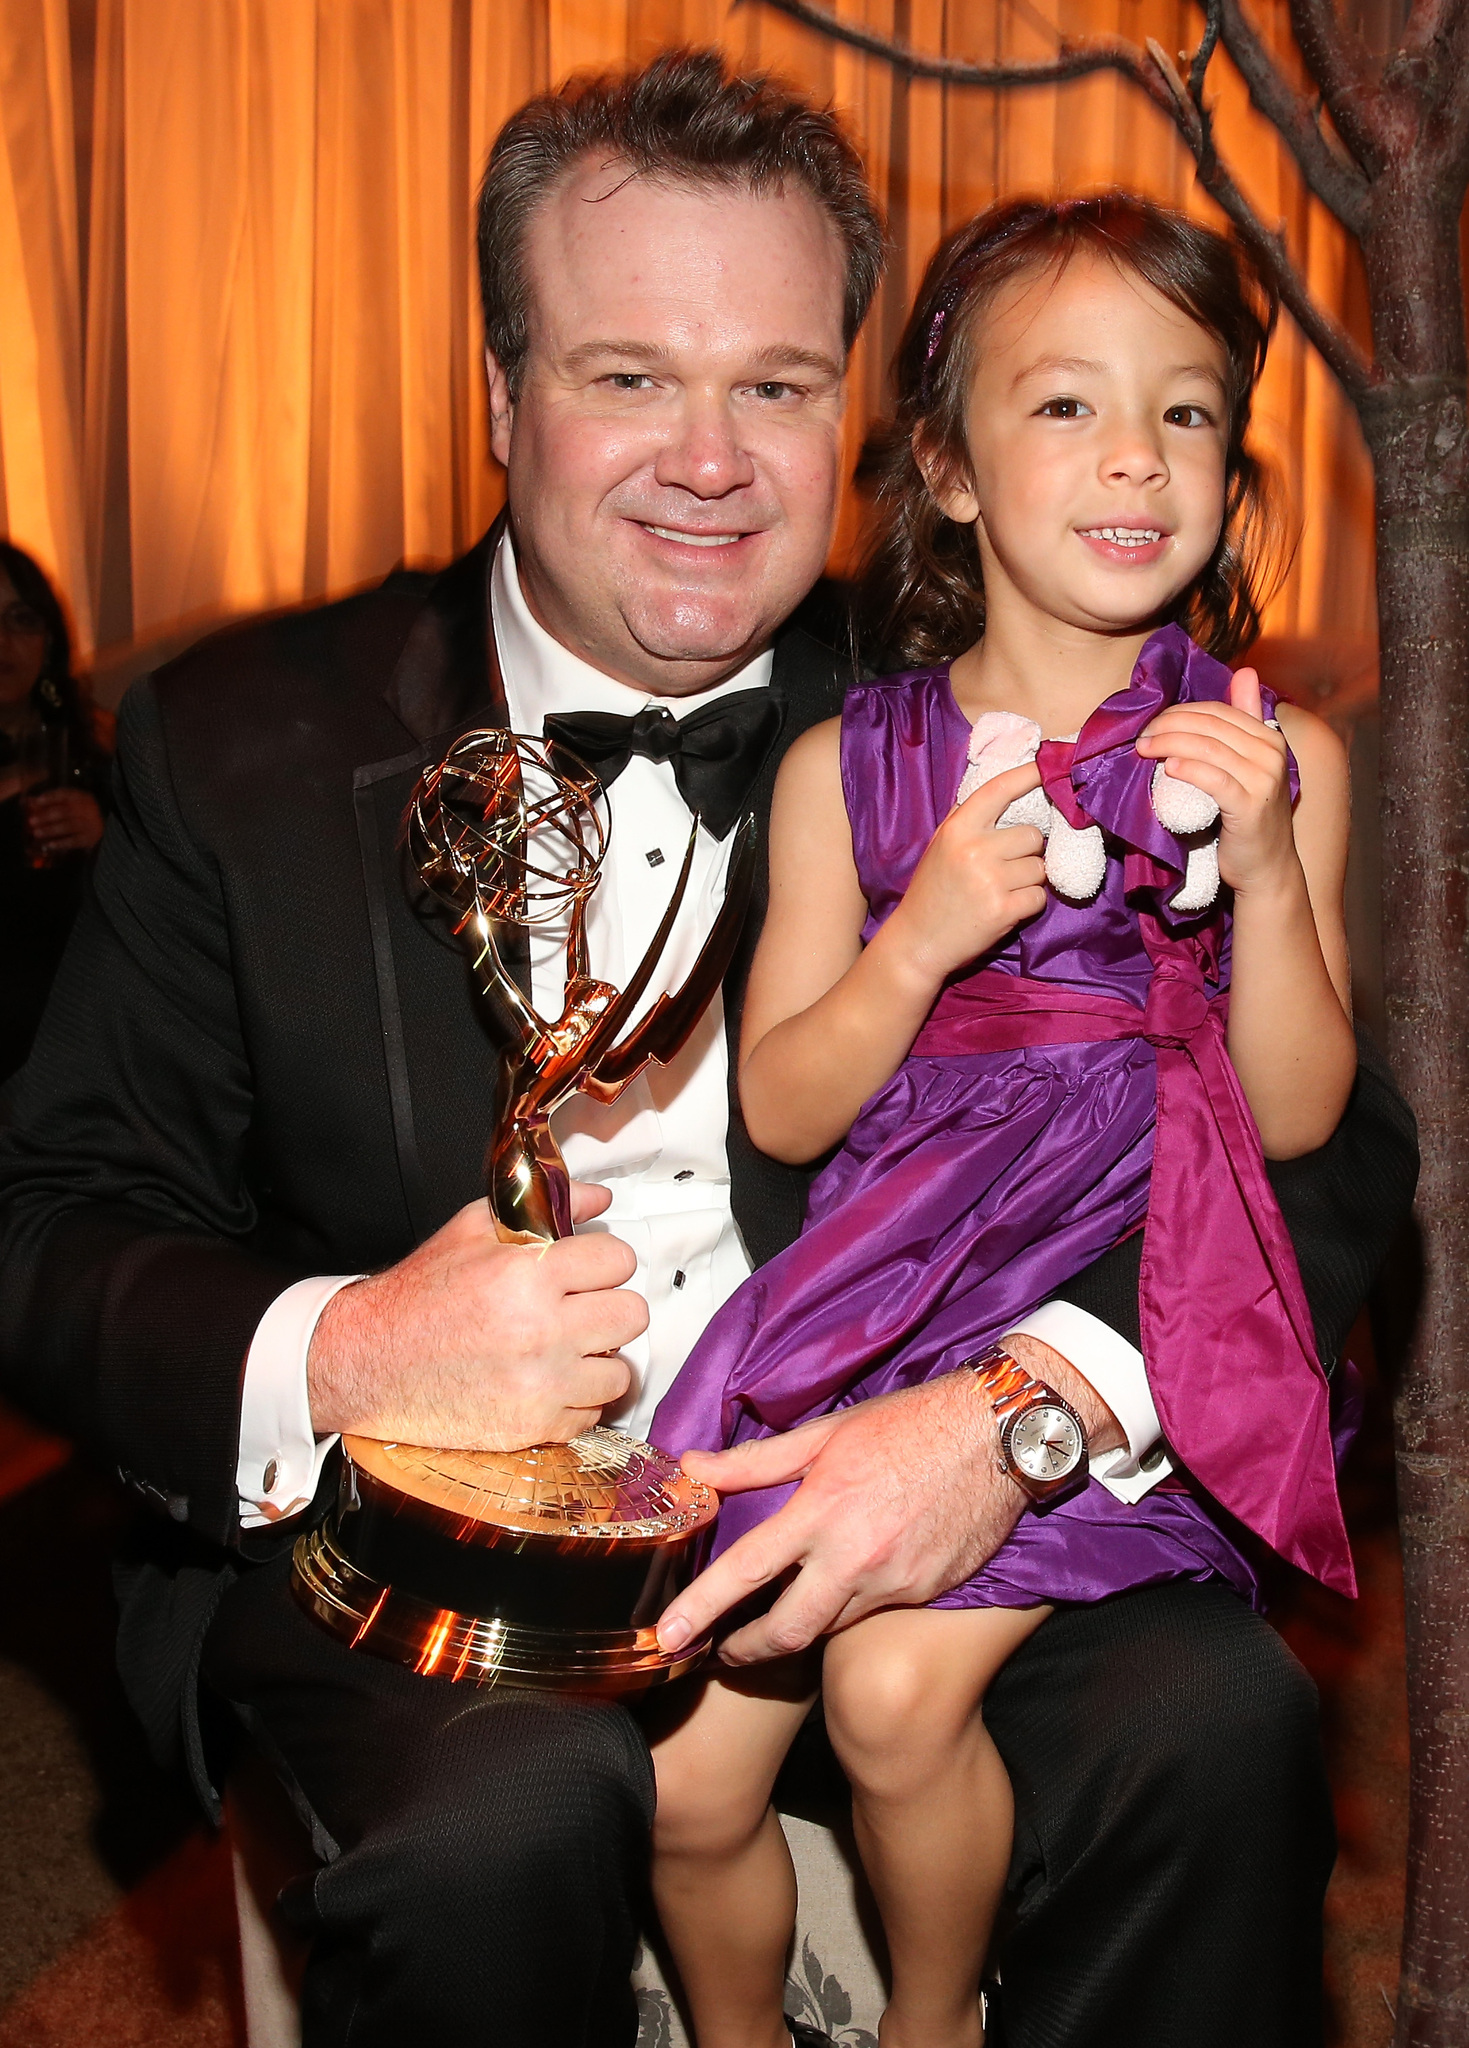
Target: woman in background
[(54, 759)]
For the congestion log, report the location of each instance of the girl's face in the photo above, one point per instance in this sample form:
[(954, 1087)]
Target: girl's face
[(1097, 435)]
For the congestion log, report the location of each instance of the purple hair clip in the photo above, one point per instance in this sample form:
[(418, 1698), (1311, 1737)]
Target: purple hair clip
[(966, 265)]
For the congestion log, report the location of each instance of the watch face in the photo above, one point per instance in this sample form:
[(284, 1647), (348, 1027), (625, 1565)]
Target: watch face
[(1046, 1443)]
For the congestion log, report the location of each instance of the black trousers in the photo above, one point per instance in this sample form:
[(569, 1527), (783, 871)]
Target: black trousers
[(485, 1853)]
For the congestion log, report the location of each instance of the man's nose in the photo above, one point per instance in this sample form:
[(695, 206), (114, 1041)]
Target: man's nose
[(705, 455)]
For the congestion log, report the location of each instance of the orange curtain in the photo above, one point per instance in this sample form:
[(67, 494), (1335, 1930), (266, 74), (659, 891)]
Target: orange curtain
[(41, 413), (256, 377)]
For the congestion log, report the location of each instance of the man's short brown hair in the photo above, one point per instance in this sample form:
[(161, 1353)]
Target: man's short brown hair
[(684, 118)]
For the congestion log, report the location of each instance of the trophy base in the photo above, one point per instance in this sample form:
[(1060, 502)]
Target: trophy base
[(468, 1649)]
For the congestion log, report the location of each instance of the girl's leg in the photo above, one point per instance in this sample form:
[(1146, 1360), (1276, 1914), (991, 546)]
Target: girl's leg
[(930, 1800), (722, 1876)]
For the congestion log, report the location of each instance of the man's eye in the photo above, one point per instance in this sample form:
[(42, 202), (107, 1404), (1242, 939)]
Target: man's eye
[(1188, 416), (630, 380), (772, 390), (1064, 409)]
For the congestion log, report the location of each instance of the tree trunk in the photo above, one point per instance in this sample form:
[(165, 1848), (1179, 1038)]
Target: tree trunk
[(1416, 428)]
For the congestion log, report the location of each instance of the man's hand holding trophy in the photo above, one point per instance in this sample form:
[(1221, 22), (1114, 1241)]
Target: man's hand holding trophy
[(543, 1565)]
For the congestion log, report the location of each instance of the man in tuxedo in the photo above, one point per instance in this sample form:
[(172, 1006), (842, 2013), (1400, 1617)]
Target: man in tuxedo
[(242, 1187)]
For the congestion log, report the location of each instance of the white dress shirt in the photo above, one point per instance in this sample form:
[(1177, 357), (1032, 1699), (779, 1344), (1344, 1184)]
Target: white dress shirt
[(661, 1148)]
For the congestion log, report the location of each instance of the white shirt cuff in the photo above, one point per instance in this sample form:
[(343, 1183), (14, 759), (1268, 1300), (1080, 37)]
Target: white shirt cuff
[(1115, 1370), (281, 1455)]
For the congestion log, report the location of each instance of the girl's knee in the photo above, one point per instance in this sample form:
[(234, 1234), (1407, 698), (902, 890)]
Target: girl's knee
[(716, 1754), (903, 1690), (889, 1724), (701, 1812)]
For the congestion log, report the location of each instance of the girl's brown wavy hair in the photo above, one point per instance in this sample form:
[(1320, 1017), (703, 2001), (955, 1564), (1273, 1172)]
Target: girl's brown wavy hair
[(922, 589)]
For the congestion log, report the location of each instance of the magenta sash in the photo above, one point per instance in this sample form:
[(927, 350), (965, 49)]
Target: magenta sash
[(1226, 1329)]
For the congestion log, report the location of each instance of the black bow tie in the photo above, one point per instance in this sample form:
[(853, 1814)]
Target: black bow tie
[(716, 751)]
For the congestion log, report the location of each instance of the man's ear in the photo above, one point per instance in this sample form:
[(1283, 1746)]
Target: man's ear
[(951, 490), (502, 410)]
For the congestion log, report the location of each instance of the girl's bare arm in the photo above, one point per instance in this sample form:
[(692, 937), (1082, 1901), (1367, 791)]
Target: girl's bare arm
[(1290, 1032), (827, 1020)]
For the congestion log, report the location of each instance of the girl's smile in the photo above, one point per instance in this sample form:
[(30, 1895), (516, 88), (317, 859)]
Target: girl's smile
[(1128, 543)]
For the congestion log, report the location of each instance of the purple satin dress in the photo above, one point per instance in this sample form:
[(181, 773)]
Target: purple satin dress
[(977, 1181)]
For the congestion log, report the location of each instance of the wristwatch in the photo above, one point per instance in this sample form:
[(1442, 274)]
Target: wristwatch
[(1042, 1441)]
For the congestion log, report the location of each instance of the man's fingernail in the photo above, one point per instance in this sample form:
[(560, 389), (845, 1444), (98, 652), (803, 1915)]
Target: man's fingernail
[(673, 1633)]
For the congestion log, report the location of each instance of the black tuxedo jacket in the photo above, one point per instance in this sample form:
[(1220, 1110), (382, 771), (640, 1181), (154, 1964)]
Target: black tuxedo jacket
[(262, 1058)]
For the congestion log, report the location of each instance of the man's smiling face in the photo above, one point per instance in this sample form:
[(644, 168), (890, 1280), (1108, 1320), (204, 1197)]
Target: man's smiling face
[(674, 449)]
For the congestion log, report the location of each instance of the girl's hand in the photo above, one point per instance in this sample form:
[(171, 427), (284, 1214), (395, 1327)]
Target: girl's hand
[(1229, 751), (975, 882)]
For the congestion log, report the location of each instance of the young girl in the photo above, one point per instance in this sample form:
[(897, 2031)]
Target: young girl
[(1012, 1010)]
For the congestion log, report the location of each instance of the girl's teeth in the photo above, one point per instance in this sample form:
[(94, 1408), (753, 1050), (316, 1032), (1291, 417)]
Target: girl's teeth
[(1127, 536)]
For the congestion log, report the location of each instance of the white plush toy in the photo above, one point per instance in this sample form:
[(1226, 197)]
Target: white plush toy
[(1076, 862)]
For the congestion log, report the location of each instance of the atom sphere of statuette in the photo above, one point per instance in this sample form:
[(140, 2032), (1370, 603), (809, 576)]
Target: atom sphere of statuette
[(509, 828)]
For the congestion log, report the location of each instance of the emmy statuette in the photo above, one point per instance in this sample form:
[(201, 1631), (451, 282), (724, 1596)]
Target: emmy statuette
[(546, 1566)]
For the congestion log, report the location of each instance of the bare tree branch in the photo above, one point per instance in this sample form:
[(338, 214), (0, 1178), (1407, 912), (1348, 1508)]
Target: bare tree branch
[(1428, 21), (1337, 59), (1073, 59), (1155, 73), (1352, 369), (1439, 30), (1338, 184), (1200, 64), (1195, 124)]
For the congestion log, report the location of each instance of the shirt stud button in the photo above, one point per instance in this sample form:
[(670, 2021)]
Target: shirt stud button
[(684, 1173), (270, 1475), (679, 1278), (654, 856)]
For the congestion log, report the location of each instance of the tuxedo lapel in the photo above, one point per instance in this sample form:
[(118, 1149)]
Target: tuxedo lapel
[(447, 675), (379, 793), (440, 1067)]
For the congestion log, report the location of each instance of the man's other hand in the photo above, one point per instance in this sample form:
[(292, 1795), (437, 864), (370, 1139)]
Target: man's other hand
[(471, 1344), (900, 1499)]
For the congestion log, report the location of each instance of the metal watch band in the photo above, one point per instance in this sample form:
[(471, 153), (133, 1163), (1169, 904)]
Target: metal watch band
[(1011, 1390), (1007, 1383)]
